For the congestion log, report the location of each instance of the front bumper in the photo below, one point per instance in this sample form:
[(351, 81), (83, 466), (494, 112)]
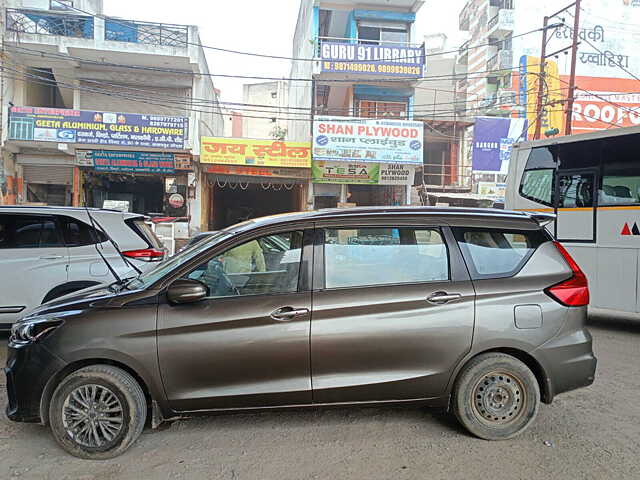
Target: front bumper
[(28, 370)]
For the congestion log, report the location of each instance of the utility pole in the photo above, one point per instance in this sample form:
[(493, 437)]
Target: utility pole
[(541, 80), (572, 78)]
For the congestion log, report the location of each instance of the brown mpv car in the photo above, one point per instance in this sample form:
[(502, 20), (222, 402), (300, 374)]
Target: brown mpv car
[(478, 311)]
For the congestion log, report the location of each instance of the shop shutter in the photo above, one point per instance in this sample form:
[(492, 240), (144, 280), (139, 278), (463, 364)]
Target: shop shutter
[(53, 174)]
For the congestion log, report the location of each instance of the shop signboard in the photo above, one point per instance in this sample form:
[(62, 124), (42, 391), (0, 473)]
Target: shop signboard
[(362, 173), (277, 172), (493, 138), (359, 140), (387, 60), (62, 125), (492, 189), (260, 153), (130, 162)]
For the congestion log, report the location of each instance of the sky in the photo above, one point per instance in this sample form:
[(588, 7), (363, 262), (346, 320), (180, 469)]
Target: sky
[(260, 26)]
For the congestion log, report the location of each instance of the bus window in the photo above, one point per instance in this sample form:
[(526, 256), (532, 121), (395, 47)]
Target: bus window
[(620, 172), (575, 190), (537, 179)]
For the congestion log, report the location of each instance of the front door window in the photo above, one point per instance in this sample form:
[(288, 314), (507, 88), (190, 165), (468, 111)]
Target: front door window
[(266, 265)]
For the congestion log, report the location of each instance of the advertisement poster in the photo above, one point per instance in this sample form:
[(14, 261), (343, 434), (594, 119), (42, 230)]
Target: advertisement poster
[(133, 162), (367, 140), (392, 61), (261, 153), (553, 106), (362, 173), (61, 125), (493, 138), (492, 189)]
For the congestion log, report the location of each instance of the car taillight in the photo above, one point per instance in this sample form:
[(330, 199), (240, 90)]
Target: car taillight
[(573, 292), (145, 254)]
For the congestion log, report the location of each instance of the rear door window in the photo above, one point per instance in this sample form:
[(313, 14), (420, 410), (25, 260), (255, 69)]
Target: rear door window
[(29, 231), (359, 257), (492, 253)]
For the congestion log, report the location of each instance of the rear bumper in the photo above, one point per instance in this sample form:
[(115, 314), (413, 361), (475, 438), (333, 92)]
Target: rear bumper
[(28, 370), (568, 359)]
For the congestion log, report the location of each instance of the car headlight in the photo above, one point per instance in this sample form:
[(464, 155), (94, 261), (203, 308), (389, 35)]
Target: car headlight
[(31, 330)]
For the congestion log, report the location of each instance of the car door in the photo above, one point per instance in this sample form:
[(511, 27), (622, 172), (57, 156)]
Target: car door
[(393, 312), (247, 343), (33, 260)]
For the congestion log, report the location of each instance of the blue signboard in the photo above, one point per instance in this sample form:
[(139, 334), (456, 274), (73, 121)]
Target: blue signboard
[(493, 138), (387, 60), (133, 162), (62, 125)]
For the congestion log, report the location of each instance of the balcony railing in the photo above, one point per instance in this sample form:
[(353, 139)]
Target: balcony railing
[(147, 33), (45, 23), (503, 20)]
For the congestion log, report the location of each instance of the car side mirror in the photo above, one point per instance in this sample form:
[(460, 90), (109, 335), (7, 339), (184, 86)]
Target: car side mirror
[(186, 290)]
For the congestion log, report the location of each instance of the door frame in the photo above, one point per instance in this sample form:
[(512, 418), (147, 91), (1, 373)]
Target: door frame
[(595, 171)]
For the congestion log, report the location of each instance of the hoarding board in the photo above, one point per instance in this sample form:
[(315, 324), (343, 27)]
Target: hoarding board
[(62, 125), (359, 140), (261, 153), (391, 61), (493, 139), (362, 173), (132, 162)]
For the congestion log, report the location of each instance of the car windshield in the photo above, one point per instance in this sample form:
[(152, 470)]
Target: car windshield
[(152, 276)]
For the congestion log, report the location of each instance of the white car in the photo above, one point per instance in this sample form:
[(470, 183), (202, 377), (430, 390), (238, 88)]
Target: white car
[(47, 252)]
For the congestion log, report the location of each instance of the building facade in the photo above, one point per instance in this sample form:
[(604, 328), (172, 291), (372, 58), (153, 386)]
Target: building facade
[(354, 72), (267, 110), (104, 111)]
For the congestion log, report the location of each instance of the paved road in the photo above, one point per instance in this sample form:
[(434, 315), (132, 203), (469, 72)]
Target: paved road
[(593, 433)]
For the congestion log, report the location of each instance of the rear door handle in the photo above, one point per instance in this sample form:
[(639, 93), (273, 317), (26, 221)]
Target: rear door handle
[(438, 298), (285, 314), (51, 257)]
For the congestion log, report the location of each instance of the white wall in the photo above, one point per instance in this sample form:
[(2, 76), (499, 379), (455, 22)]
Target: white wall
[(300, 92), (263, 94)]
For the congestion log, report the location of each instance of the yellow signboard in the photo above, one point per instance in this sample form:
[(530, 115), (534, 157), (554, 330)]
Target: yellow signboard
[(261, 153), (552, 115)]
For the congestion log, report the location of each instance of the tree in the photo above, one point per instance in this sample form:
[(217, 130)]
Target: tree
[(278, 133)]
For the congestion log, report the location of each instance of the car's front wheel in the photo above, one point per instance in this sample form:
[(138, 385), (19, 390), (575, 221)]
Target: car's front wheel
[(496, 396), (97, 412)]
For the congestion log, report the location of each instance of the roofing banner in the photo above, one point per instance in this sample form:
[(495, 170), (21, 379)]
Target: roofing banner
[(493, 139), (352, 139), (260, 153), (62, 125), (392, 61)]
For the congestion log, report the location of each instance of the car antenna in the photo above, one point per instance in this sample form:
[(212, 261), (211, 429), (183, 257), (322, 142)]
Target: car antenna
[(95, 222), (95, 244)]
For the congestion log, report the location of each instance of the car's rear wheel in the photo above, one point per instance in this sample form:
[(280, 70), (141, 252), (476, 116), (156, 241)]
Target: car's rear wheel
[(496, 396), (97, 412)]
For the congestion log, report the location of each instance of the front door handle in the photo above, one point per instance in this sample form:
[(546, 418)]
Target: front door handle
[(438, 298), (51, 257), (285, 314)]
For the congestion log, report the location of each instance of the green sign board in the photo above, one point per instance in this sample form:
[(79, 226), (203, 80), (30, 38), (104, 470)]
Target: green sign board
[(345, 172)]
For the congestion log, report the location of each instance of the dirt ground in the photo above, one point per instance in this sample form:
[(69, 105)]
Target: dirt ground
[(592, 433)]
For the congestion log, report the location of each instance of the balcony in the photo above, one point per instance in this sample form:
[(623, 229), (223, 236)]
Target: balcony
[(502, 60), (505, 97), (42, 22), (147, 33), (501, 24)]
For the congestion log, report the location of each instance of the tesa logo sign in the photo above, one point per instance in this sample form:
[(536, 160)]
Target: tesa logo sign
[(630, 231)]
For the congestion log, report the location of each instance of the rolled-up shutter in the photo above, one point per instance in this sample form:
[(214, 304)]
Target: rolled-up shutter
[(53, 174)]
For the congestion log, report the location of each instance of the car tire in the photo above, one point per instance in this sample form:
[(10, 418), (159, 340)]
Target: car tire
[(97, 412), (496, 396)]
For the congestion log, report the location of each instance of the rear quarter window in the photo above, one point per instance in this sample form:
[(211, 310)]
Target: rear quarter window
[(497, 253), (145, 232)]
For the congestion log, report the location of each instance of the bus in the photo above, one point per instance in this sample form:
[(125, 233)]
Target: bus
[(591, 182)]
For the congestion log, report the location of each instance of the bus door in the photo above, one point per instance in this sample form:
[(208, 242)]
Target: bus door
[(575, 205)]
